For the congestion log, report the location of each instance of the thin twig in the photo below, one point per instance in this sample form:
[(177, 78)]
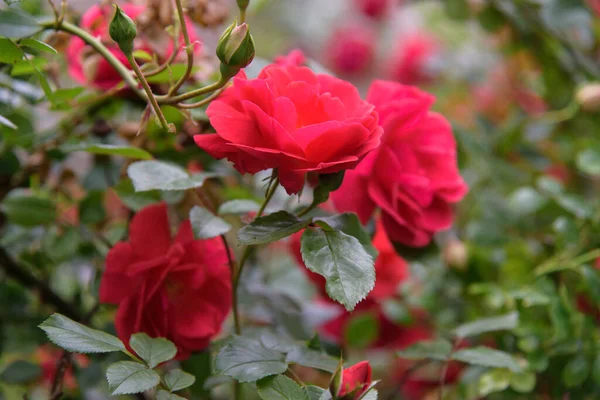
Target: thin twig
[(189, 48), (25, 278)]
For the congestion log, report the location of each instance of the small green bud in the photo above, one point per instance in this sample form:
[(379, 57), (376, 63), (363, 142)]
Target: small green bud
[(235, 48), (335, 385), (122, 30)]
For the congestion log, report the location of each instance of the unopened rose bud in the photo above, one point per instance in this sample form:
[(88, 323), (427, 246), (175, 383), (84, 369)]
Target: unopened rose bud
[(122, 30), (236, 47), (589, 97), (456, 255)]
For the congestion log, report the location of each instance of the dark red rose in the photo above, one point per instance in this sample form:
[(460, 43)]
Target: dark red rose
[(89, 68), (178, 288), (413, 176), (413, 61), (350, 49), (291, 119), (355, 381)]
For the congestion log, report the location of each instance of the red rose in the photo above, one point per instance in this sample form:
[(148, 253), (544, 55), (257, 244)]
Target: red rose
[(414, 59), (178, 288), (355, 381), (413, 176), (376, 9), (350, 49), (291, 119), (89, 68)]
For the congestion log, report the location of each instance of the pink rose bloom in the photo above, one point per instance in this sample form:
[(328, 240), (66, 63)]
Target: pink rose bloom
[(350, 49), (413, 177), (413, 59), (294, 58)]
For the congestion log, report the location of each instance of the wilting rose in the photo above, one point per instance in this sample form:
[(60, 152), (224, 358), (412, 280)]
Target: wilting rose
[(413, 176), (173, 287), (350, 49), (355, 381), (291, 119), (413, 61), (88, 67)]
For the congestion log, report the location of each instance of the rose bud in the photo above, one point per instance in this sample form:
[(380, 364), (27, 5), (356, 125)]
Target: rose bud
[(589, 96), (122, 30), (235, 48), (456, 254)]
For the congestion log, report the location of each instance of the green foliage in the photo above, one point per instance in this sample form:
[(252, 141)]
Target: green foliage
[(126, 377), (158, 175), (177, 379), (153, 351), (435, 350), (73, 336), (487, 357), (280, 387), (206, 225), (271, 228), (15, 24), (108, 149), (246, 360), (342, 260), (20, 372), (238, 207)]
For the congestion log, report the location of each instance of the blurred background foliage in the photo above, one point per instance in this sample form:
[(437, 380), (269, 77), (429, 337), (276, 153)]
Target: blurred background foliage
[(507, 74)]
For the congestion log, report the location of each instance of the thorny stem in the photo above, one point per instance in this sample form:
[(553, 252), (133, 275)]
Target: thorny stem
[(189, 48), (151, 98)]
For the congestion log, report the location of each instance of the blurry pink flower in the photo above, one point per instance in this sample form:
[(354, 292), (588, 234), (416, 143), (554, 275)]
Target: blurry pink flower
[(376, 9), (350, 49), (412, 62), (294, 58)]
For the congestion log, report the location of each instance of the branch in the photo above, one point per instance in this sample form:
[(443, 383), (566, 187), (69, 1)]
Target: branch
[(28, 280)]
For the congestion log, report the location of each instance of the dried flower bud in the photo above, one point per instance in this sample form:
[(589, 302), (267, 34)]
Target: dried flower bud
[(456, 254), (208, 13), (236, 47), (122, 30), (589, 96)]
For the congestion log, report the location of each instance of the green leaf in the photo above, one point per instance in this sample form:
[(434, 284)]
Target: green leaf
[(10, 53), (271, 228), (164, 395), (15, 24), (78, 338), (494, 381), (24, 208), (483, 325), (247, 360), (524, 382), (65, 95), (280, 387), (109, 149), (28, 67), (152, 350), (439, 349), (350, 225), (312, 358), (135, 200), (142, 55), (206, 225), (327, 184), (315, 392), (238, 207), (361, 330), (158, 175), (588, 162), (20, 372), (342, 260), (487, 357), (372, 394), (91, 208), (177, 379), (173, 73), (576, 371), (8, 123), (38, 45), (127, 377)]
